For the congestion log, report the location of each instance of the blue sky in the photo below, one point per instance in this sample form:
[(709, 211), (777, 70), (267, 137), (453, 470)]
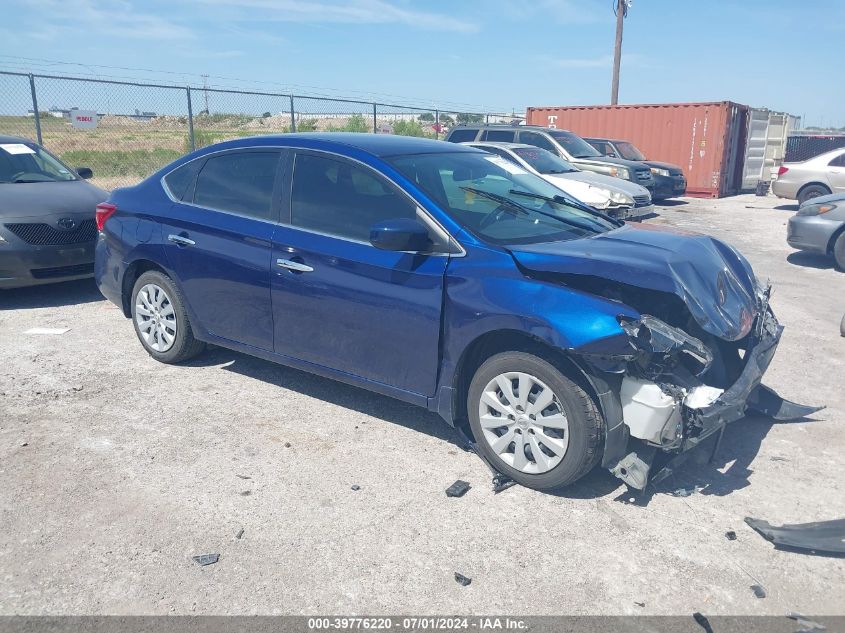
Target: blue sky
[(496, 54)]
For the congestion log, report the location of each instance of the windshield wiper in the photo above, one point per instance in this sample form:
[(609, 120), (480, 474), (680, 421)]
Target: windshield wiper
[(570, 201)]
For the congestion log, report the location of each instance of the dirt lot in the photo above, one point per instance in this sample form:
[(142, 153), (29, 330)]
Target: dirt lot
[(115, 470)]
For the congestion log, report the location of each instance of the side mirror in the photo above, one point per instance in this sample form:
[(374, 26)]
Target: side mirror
[(612, 155), (85, 172), (401, 234)]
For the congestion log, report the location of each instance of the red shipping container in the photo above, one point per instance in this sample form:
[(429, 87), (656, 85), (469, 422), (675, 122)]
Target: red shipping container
[(706, 140)]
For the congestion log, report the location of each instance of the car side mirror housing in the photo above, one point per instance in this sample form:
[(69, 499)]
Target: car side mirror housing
[(85, 173), (401, 234)]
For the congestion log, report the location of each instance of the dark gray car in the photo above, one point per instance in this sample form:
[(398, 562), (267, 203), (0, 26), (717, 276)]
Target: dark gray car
[(47, 225), (819, 226)]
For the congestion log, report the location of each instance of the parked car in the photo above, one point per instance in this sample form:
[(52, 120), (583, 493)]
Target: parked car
[(669, 180), (567, 145), (819, 226), (440, 275), (819, 176), (616, 197), (47, 230)]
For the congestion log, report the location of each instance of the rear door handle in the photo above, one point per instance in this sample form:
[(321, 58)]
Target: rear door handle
[(181, 241), (294, 266)]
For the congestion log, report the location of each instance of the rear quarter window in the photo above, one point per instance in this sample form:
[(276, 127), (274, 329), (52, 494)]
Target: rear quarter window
[(180, 179)]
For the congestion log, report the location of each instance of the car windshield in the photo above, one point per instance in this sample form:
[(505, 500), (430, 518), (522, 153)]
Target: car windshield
[(628, 151), (500, 202), (28, 162), (574, 145), (543, 160)]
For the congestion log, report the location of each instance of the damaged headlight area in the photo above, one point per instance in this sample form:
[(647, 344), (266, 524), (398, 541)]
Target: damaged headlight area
[(661, 349)]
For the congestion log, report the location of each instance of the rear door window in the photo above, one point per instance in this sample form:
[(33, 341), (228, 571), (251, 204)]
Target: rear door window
[(499, 136), (239, 182), (461, 135), (839, 161), (180, 179)]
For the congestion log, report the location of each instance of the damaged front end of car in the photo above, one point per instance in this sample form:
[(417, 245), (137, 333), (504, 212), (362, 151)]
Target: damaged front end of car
[(675, 391)]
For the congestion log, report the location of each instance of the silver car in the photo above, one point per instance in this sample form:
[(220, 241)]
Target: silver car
[(819, 226), (818, 176)]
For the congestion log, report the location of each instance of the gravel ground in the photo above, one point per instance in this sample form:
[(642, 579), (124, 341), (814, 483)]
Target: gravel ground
[(116, 470)]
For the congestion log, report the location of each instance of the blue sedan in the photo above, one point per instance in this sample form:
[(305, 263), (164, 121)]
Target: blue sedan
[(449, 278)]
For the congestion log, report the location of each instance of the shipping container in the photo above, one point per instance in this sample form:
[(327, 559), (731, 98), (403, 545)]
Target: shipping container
[(707, 140)]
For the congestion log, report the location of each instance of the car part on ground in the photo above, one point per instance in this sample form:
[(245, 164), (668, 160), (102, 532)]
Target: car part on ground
[(669, 180), (819, 227), (818, 176), (565, 338), (819, 536), (47, 230)]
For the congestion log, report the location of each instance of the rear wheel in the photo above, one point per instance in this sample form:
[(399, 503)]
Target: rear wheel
[(812, 191), (532, 422), (160, 319)]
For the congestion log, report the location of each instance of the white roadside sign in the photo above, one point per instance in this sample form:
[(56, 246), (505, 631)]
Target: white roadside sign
[(83, 119)]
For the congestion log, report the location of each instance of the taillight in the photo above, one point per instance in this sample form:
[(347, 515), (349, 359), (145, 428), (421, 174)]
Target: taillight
[(782, 170), (104, 211)]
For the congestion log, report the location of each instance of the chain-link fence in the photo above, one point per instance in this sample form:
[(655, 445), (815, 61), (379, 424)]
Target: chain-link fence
[(138, 128)]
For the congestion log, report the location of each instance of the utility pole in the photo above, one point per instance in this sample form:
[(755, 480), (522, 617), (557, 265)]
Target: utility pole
[(205, 91), (621, 10)]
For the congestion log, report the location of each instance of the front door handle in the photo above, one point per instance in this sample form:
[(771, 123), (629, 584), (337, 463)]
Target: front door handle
[(294, 266), (180, 240)]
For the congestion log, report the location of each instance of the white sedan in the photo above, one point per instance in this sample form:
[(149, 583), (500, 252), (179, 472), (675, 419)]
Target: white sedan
[(616, 197)]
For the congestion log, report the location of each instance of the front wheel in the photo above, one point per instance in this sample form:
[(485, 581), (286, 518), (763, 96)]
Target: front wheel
[(532, 422), (160, 319)]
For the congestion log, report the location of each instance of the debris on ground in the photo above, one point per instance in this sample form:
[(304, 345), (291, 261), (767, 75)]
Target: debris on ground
[(356, 487), (242, 476), (287, 445), (461, 579), (24, 443), (805, 623), (239, 534), (458, 489), (821, 536), (502, 482), (759, 591), (639, 604), (702, 621), (246, 493), (730, 535), (48, 331), (686, 492), (206, 559)]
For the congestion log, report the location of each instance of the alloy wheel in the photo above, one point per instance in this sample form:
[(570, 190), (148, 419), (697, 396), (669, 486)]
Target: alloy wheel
[(155, 317), (523, 422)]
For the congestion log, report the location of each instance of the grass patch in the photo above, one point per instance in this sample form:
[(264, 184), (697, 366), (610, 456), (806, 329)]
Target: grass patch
[(137, 163)]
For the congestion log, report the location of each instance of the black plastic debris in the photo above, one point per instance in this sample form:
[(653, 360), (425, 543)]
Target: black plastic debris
[(702, 621), (288, 444), (461, 579), (502, 482), (246, 493), (242, 476), (458, 489), (639, 604), (827, 537), (805, 623), (239, 534), (206, 559), (730, 535), (759, 591), (356, 487)]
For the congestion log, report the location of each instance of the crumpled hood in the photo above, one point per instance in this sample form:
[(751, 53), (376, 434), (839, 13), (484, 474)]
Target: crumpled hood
[(25, 199), (714, 281)]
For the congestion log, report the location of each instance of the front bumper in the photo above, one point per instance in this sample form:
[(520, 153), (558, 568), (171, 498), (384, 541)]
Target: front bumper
[(669, 186), (24, 265), (811, 232)]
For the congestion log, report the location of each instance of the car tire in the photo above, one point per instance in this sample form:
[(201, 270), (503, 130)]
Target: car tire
[(160, 319), (839, 252), (812, 191), (567, 451), (842, 326)]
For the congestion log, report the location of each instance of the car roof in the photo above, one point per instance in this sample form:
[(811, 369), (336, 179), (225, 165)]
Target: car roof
[(376, 144), (502, 126), (15, 139)]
